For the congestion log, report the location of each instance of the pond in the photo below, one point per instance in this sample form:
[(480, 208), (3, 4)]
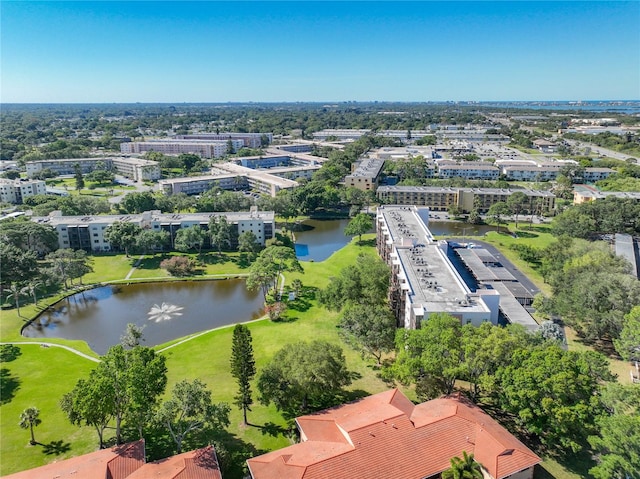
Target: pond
[(316, 240), (166, 311), (458, 228), (319, 239)]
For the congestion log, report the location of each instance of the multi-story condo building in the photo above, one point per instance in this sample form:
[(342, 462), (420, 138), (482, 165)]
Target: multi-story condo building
[(591, 175), (467, 199), (136, 169), (340, 134), (397, 153), (423, 280), (250, 140), (15, 191), (471, 170), (365, 174), (87, 232), (203, 148)]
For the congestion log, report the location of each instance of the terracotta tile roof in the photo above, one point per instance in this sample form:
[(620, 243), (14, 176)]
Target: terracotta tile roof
[(198, 464), (385, 435), (128, 462), (113, 463)]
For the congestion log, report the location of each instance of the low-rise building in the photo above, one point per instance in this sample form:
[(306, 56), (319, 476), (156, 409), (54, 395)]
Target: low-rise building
[(591, 175), (386, 436), (585, 195), (365, 174), (137, 169), (545, 146), (202, 148), (87, 232), (340, 134), (466, 199), (15, 191), (471, 170), (127, 461), (250, 140)]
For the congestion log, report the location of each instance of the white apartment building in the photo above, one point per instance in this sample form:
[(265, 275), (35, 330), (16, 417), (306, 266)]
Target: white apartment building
[(136, 169), (15, 191), (423, 280), (250, 140), (340, 134), (202, 148), (471, 170), (87, 232)]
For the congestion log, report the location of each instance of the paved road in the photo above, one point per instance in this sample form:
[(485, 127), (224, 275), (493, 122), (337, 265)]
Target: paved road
[(602, 151)]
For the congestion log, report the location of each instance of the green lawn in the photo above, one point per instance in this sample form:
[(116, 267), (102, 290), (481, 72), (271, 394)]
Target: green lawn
[(39, 377), (43, 366), (43, 375)]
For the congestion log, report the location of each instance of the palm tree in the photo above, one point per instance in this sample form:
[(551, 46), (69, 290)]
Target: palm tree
[(28, 419), (31, 288), (15, 293), (465, 468)]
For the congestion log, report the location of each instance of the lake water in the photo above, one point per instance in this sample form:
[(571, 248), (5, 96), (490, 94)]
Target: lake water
[(165, 310), (321, 238)]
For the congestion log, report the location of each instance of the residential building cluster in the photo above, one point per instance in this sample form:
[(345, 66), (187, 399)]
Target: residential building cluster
[(439, 198), (137, 169), (351, 441), (205, 145), (87, 232), (267, 174)]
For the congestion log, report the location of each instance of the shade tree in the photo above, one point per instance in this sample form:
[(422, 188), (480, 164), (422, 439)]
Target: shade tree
[(189, 409), (303, 377)]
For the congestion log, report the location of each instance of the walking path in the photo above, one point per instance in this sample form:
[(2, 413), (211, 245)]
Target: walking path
[(47, 345), (135, 266)]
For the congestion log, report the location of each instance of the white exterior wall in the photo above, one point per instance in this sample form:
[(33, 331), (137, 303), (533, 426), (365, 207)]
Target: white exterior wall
[(15, 191)]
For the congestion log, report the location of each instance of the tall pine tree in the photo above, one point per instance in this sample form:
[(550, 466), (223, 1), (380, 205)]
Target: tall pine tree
[(243, 367)]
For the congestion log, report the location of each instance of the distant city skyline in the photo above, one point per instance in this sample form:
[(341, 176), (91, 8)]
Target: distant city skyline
[(104, 52)]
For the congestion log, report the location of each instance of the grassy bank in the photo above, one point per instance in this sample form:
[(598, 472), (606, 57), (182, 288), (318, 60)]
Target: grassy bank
[(40, 376), (43, 375)]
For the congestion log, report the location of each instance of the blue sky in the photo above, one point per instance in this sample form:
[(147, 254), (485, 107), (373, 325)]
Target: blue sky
[(318, 51)]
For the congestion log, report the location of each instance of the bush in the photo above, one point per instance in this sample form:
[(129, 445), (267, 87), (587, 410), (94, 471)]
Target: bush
[(179, 266)]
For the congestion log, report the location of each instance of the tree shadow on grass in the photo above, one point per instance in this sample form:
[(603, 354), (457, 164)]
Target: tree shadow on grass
[(368, 242), (526, 234), (56, 448), (8, 386), (539, 472), (9, 352), (272, 429)]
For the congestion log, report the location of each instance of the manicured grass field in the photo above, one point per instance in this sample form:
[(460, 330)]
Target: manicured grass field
[(205, 357), (43, 375), (39, 377)]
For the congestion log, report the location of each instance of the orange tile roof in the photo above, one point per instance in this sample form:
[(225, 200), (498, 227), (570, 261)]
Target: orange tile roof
[(385, 435), (128, 462), (114, 463), (198, 464)]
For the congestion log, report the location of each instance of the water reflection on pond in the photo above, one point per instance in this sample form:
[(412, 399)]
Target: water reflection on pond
[(166, 310), (319, 239)]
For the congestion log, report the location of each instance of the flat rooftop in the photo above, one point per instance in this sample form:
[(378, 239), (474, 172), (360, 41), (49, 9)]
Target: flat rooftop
[(434, 283)]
